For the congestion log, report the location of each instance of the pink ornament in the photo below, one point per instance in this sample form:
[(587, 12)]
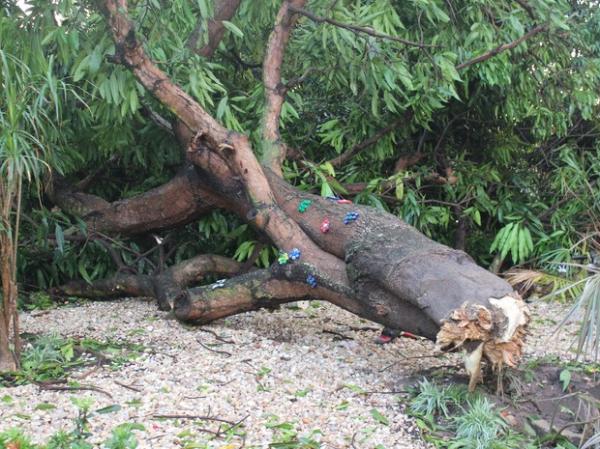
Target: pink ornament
[(325, 226)]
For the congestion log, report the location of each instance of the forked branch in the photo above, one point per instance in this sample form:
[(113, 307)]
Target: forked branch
[(211, 137), (274, 151), (165, 287)]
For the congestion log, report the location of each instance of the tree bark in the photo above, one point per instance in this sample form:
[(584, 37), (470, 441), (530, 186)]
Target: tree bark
[(179, 201), (165, 286), (274, 150)]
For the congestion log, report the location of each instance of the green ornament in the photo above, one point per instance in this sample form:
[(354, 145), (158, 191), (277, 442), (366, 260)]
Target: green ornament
[(283, 258), (304, 204)]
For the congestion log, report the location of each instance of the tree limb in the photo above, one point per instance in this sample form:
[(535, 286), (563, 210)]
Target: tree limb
[(224, 10), (180, 200), (260, 289), (130, 52), (165, 287), (210, 136), (274, 150), (502, 48), (359, 29)]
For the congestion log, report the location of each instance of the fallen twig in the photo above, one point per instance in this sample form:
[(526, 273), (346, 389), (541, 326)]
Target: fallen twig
[(217, 336), (129, 387), (387, 392), (198, 417), (225, 353), (50, 387), (352, 442), (342, 336)]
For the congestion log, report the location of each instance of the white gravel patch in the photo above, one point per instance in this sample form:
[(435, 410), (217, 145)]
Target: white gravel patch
[(280, 364), (546, 339)]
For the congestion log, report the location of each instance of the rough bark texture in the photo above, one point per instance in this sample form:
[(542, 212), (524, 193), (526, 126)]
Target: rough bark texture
[(256, 290), (166, 287), (179, 201)]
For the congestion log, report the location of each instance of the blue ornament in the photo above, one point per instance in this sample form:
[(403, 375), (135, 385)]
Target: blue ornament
[(294, 254), (310, 280), (350, 217)]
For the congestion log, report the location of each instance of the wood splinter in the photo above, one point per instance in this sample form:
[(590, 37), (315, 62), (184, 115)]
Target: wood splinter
[(497, 332)]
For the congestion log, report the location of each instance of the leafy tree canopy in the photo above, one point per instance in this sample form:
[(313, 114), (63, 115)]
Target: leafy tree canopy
[(474, 120)]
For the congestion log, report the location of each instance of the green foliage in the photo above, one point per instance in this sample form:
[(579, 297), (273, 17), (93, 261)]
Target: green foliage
[(471, 419), (379, 417), (509, 145), (587, 307), (48, 358), (38, 301), (122, 436), (17, 438), (433, 399), (51, 357), (479, 427), (514, 238), (286, 436)]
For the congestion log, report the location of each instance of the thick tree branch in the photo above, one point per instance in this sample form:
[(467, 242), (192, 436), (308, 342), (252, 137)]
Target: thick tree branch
[(502, 48), (359, 29), (224, 10), (233, 148), (179, 201), (229, 147), (165, 287), (256, 290), (131, 53), (274, 151), (390, 268)]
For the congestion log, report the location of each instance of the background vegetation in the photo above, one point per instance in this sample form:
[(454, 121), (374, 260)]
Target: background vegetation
[(500, 156)]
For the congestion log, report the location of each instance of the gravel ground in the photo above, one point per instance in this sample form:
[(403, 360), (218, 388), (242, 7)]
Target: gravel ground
[(277, 363)]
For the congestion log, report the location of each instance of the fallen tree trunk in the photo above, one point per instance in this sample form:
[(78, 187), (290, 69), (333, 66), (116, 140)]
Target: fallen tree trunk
[(396, 277), (366, 261)]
